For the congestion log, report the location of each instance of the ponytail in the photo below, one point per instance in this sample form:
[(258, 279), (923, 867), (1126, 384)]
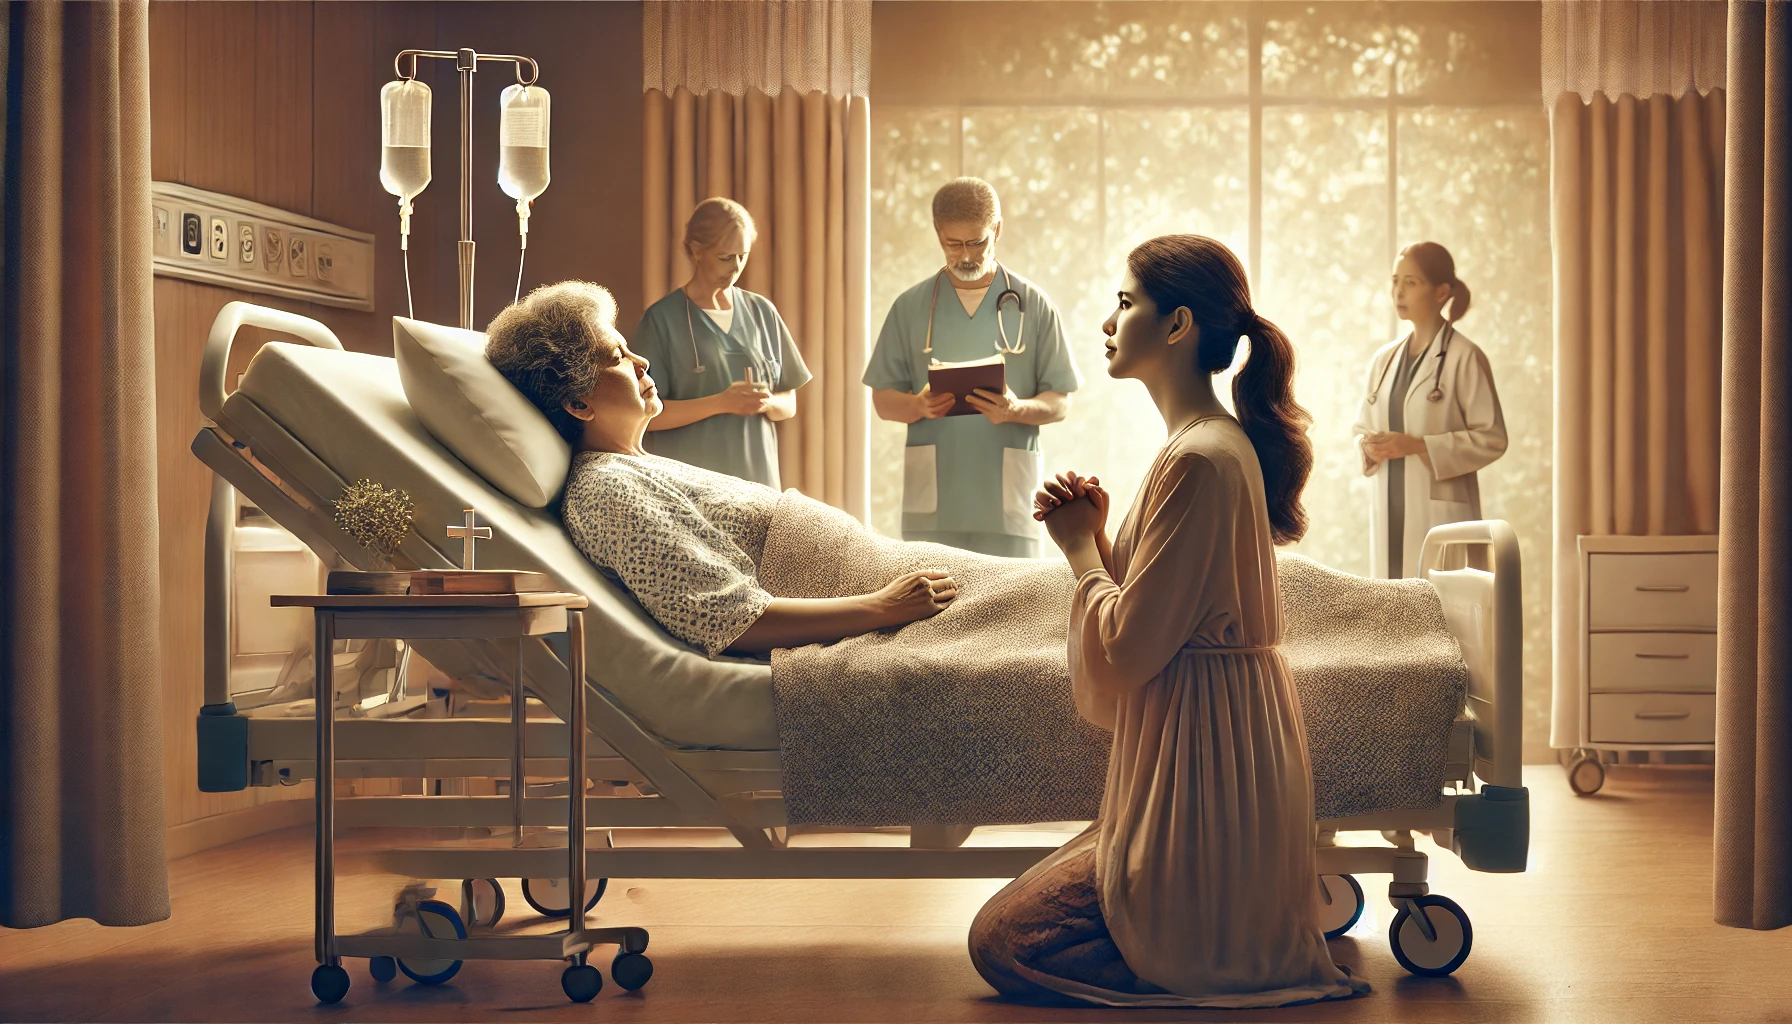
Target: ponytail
[(1459, 298), (1205, 277), (1263, 398)]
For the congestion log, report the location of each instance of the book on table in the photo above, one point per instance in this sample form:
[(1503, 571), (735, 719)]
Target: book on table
[(960, 379)]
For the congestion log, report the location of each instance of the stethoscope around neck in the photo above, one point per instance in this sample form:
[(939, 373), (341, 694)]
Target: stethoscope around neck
[(690, 328), (1003, 345), (1437, 375)]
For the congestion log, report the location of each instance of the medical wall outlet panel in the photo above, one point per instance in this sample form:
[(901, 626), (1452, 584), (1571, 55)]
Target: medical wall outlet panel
[(223, 240)]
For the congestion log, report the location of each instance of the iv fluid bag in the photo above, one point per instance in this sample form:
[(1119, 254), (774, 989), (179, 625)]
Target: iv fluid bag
[(523, 141), (404, 137)]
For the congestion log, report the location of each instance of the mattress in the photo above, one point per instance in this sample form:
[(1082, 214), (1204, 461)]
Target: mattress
[(349, 410)]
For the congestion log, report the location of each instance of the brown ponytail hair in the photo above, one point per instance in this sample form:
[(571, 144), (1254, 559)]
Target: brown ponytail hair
[(1202, 276), (1439, 267)]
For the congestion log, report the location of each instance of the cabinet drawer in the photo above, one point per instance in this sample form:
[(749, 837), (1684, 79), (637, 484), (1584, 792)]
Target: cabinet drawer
[(1652, 718), (1652, 662), (1652, 591)]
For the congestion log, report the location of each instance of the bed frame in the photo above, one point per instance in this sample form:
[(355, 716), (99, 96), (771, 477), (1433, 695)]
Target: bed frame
[(1483, 816)]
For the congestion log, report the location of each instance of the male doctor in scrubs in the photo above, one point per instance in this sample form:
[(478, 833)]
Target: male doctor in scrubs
[(969, 480)]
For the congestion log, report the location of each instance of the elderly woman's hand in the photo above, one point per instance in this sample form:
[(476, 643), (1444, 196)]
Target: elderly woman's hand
[(915, 596)]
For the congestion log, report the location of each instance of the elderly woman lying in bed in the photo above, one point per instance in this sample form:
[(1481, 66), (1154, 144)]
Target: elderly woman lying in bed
[(685, 541)]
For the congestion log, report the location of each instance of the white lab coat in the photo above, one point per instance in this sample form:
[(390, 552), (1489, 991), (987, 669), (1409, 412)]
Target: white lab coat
[(1463, 433)]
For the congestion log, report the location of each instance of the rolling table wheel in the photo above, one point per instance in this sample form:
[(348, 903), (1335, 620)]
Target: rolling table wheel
[(1340, 904), (581, 983), (383, 968), (1436, 946), (329, 984), (631, 971), (1585, 774), (436, 920)]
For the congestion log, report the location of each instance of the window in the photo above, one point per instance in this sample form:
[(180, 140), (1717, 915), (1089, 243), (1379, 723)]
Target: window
[(1313, 139)]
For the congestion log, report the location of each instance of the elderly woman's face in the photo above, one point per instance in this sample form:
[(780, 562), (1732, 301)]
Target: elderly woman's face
[(623, 399)]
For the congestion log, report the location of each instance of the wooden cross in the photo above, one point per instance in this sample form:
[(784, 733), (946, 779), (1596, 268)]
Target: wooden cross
[(469, 533)]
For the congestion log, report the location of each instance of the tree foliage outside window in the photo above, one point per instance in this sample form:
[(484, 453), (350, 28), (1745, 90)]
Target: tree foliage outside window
[(1313, 139)]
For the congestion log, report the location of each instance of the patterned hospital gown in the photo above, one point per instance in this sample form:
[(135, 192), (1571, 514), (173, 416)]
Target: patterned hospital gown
[(686, 542)]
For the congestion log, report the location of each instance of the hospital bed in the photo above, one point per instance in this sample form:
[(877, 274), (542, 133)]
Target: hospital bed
[(680, 741)]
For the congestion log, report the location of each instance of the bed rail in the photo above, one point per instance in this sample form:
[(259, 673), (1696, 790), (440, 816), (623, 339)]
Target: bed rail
[(220, 521), (1495, 649)]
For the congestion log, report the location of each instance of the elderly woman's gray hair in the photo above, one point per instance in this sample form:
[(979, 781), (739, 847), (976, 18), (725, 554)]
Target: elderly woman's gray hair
[(551, 345)]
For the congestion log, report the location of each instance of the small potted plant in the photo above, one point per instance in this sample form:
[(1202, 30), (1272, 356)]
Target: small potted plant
[(377, 518)]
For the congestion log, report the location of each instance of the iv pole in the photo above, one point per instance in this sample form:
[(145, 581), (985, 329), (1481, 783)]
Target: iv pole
[(466, 62)]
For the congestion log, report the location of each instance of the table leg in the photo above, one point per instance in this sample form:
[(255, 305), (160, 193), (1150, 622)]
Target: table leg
[(518, 716), (325, 695), (575, 779)]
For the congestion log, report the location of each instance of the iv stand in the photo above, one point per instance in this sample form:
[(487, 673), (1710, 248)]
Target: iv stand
[(466, 62)]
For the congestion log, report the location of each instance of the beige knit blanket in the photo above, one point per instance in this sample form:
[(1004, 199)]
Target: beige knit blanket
[(967, 717)]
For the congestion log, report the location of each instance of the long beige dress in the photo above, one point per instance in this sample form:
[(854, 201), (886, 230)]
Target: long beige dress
[(1197, 887)]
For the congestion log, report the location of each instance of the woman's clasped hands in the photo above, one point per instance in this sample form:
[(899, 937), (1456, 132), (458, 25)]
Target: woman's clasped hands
[(1072, 507)]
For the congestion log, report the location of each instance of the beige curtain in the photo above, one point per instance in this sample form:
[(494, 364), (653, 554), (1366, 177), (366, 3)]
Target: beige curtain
[(1637, 187), (81, 828), (764, 102), (1753, 886)]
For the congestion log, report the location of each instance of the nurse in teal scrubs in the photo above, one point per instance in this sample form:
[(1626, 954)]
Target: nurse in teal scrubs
[(969, 481), (725, 364)]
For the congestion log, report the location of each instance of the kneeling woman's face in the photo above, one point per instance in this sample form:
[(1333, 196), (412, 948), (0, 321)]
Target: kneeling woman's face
[(1140, 338), (622, 400)]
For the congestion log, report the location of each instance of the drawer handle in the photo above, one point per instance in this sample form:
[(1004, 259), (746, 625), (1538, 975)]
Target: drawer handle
[(1662, 716), (1663, 657), (1663, 588)]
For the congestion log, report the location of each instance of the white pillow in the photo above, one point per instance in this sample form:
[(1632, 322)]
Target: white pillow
[(468, 405)]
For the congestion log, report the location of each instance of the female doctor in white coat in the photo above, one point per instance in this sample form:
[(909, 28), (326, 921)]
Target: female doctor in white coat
[(1430, 417)]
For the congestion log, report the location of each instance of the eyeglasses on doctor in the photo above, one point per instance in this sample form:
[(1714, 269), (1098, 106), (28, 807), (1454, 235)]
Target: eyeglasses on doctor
[(974, 246)]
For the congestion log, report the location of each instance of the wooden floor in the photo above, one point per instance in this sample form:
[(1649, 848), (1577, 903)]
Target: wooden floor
[(1611, 923)]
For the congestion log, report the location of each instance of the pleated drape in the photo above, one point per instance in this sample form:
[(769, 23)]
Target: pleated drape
[(1638, 240), (81, 819), (1753, 825), (799, 163)]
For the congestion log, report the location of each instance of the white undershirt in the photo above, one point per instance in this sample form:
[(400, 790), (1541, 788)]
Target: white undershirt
[(724, 318), (972, 298)]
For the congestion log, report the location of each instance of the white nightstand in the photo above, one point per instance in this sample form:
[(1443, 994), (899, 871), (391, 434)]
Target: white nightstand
[(1648, 650)]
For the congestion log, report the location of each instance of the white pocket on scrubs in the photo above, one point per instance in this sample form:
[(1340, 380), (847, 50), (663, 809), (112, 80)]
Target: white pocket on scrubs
[(920, 480), (1020, 482)]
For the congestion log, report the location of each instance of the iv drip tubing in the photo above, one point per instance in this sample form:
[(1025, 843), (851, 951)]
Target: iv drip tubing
[(521, 255), (409, 306)]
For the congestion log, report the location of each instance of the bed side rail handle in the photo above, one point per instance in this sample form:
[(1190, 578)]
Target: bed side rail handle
[(233, 318), (1507, 724)]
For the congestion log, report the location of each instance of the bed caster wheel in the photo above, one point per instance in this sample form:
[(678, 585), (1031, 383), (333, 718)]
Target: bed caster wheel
[(437, 920), (383, 969), (1435, 946), (1586, 775), (1340, 904), (581, 983), (549, 897), (631, 971), (481, 902), (329, 984)]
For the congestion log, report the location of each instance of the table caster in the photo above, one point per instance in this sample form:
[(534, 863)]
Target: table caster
[(437, 920), (383, 968), (329, 983), (631, 971), (581, 983)]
